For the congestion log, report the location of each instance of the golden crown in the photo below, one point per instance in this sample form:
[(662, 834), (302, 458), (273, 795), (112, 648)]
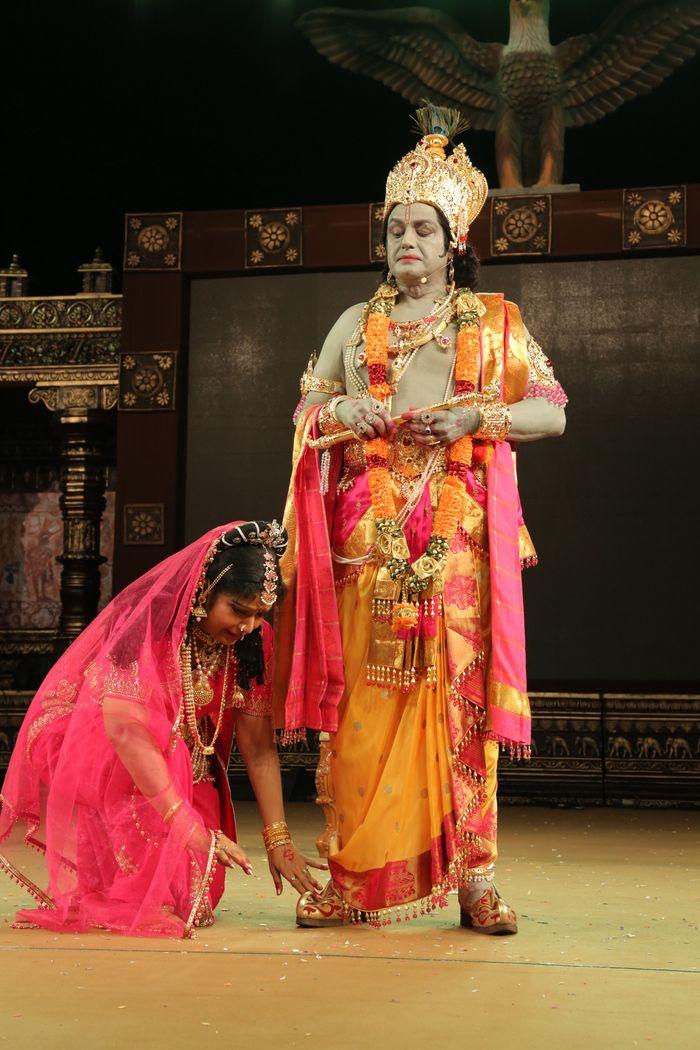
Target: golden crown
[(426, 174)]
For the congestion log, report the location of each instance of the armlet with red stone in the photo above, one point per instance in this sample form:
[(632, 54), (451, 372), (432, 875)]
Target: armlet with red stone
[(541, 380)]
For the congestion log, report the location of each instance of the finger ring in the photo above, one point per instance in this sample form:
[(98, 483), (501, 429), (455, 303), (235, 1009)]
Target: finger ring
[(370, 418), (362, 427), (377, 406), (426, 429), (427, 418)]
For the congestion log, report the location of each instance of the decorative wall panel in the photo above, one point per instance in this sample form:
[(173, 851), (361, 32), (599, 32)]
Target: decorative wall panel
[(147, 382), (273, 238), (144, 524), (153, 241), (521, 225), (653, 217), (377, 248)]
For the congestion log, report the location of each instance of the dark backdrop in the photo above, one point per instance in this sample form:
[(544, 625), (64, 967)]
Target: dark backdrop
[(613, 599), (146, 105)]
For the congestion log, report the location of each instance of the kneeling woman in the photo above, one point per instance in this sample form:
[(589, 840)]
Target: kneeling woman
[(118, 776)]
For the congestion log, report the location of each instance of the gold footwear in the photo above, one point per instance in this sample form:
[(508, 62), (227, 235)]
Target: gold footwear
[(489, 914), (323, 909)]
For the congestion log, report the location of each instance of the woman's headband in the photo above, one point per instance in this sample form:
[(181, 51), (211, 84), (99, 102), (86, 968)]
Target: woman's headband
[(272, 537)]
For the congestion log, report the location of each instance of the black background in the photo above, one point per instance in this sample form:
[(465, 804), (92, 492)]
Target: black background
[(138, 105)]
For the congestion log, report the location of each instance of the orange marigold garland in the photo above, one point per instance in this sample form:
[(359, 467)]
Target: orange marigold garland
[(450, 508), (378, 478), (391, 540), (377, 350)]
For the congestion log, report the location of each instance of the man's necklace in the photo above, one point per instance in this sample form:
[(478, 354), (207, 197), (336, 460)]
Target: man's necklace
[(411, 336), (405, 336)]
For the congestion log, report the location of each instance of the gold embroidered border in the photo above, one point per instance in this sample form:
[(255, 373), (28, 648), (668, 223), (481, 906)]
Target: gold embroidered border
[(205, 880), (17, 876)]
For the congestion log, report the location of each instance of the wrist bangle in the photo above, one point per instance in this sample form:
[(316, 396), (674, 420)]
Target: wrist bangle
[(495, 422), (276, 834), (327, 419), (168, 816)]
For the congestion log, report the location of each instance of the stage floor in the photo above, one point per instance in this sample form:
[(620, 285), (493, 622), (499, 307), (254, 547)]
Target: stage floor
[(607, 956)]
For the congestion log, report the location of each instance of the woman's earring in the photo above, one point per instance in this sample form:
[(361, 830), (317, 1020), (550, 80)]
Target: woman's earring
[(391, 279), (199, 612), (451, 270)]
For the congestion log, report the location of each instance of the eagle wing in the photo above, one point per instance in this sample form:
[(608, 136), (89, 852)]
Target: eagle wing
[(638, 45), (415, 51)]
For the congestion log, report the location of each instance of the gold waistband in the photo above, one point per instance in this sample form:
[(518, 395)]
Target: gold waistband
[(406, 457)]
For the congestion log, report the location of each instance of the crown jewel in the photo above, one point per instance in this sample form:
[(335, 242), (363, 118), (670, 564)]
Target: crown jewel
[(426, 174)]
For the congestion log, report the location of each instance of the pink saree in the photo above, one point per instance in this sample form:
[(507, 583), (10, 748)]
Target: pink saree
[(99, 762)]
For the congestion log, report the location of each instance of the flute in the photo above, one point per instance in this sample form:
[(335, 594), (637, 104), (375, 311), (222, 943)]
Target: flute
[(462, 401)]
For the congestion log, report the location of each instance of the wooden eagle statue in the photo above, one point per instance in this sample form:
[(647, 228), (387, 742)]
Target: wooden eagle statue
[(528, 90)]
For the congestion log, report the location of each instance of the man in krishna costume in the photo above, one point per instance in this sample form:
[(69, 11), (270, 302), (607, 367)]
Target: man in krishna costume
[(404, 634)]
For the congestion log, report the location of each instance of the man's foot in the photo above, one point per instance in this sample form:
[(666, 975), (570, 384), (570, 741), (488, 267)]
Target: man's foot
[(323, 909), (489, 914)]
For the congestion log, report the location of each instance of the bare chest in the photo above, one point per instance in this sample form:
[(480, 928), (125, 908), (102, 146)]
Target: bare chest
[(425, 377)]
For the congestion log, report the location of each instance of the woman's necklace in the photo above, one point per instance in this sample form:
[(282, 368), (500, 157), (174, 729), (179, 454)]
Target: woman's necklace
[(200, 749), (208, 656)]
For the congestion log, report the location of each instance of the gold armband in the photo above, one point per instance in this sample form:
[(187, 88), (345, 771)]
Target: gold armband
[(495, 422), (276, 834), (310, 383)]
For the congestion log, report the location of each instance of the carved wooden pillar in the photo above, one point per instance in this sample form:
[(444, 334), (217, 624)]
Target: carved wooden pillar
[(82, 502), (86, 439)]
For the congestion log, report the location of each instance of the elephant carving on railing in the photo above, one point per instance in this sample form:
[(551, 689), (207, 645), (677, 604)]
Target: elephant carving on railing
[(620, 747), (586, 747), (677, 747), (648, 747)]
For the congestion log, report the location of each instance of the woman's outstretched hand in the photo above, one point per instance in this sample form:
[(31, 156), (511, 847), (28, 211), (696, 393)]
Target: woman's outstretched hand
[(229, 854), (287, 862)]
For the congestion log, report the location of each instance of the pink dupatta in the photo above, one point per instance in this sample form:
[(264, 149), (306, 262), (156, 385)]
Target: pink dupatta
[(98, 763)]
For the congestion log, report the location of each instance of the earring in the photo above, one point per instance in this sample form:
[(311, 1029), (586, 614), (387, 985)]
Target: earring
[(451, 270), (391, 279), (199, 612)]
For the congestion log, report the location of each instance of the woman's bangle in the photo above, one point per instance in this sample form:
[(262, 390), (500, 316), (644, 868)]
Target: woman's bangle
[(276, 834), (168, 816), (495, 422)]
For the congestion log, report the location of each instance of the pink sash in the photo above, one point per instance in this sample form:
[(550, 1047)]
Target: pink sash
[(507, 614), (317, 678)]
